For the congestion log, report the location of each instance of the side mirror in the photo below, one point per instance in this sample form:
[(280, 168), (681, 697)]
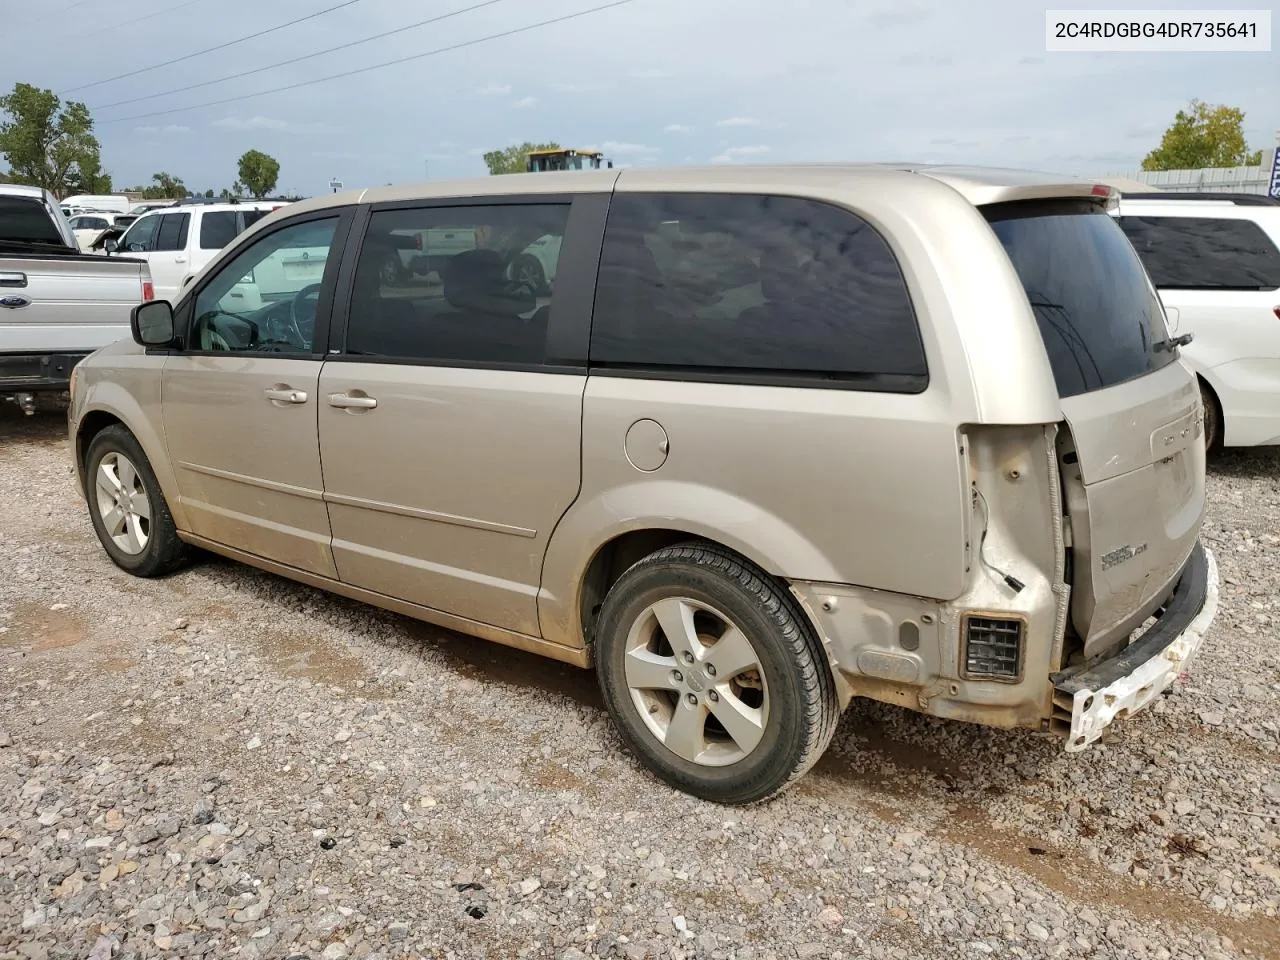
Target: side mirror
[(152, 323), (111, 246)]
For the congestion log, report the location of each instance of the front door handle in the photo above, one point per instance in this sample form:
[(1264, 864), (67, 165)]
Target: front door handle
[(179, 259), (346, 400), (286, 395), (15, 279)]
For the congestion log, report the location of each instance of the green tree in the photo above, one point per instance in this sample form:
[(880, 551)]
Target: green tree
[(167, 187), (259, 172), (209, 193), (512, 159), (1203, 136), (48, 143)]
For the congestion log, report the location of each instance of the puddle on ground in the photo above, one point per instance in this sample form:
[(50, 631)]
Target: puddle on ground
[(35, 627), (296, 655)]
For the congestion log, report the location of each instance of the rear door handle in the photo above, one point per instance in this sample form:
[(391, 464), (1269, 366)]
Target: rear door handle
[(347, 400), (13, 279), (286, 395), (179, 259)]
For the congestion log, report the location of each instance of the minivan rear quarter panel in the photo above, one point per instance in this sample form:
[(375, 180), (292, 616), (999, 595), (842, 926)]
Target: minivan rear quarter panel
[(861, 487)]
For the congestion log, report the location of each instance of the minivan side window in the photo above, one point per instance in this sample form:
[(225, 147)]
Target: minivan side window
[(1099, 317), (1204, 253), (172, 234), (457, 285), (252, 304), (740, 286), (217, 229)]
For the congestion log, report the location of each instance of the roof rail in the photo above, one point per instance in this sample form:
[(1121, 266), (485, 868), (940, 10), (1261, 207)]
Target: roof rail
[(196, 201), (1240, 199)]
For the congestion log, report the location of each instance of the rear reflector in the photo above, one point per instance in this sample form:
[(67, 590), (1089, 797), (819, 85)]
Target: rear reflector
[(992, 647), (1101, 190), (1276, 311), (148, 291)]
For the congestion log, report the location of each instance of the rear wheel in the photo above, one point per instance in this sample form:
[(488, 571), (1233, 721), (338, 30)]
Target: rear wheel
[(127, 508), (713, 676), (1212, 418)]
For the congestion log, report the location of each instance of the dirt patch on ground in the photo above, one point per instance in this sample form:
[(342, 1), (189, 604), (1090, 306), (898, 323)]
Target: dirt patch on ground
[(37, 628)]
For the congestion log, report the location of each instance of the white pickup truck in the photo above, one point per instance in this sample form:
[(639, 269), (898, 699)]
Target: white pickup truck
[(57, 305)]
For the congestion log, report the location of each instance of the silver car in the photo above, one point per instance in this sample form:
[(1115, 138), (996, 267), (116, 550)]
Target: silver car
[(778, 437)]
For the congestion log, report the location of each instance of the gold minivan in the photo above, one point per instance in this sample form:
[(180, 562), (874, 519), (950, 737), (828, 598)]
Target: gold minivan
[(755, 442)]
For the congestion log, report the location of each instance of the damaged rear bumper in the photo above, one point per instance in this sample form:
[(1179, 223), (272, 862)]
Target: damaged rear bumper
[(1120, 686)]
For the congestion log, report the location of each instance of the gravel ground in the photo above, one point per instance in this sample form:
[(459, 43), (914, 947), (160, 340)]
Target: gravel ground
[(224, 764)]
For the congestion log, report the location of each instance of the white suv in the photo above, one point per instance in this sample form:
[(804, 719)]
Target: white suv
[(1216, 263), (177, 241)]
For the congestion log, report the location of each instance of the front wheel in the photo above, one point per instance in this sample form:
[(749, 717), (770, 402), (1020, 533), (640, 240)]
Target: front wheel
[(127, 508), (713, 676)]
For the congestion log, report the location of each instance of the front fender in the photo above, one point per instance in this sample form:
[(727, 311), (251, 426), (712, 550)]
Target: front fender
[(700, 511), (135, 402)]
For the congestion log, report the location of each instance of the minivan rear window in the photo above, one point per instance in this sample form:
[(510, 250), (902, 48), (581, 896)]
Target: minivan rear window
[(1099, 316)]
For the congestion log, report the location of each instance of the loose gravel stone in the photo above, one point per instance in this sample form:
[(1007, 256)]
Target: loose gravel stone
[(225, 764)]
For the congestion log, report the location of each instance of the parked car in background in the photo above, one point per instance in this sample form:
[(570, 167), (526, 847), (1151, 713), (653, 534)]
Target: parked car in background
[(56, 304), (1216, 263), (89, 226), (779, 437), (116, 203), (178, 240)]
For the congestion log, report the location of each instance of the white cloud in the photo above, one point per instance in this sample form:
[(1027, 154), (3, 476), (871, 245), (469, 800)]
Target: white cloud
[(168, 128), (738, 122), (525, 102), (613, 148), (494, 89), (735, 153), (267, 123), (677, 128)]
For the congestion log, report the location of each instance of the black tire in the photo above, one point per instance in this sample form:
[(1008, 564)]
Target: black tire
[(803, 707), (163, 552), (1212, 419), (526, 268)]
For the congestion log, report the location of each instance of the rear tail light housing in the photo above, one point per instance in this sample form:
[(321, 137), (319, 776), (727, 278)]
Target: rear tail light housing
[(1276, 311), (148, 291), (992, 646)]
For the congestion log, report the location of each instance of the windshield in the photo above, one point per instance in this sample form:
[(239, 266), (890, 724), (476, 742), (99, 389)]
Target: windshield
[(24, 219), (1099, 316)]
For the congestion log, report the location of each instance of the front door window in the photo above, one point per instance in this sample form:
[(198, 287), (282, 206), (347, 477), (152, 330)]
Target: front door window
[(264, 299)]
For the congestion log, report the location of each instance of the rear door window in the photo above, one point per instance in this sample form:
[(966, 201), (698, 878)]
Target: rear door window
[(172, 234), (217, 229), (1099, 317), (1204, 253), (742, 286)]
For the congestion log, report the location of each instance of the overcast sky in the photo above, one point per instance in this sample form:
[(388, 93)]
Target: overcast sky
[(650, 82)]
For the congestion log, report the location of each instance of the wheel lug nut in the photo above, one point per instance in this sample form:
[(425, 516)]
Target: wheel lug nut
[(688, 657), (692, 698), (711, 669), (713, 696), (677, 676)]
